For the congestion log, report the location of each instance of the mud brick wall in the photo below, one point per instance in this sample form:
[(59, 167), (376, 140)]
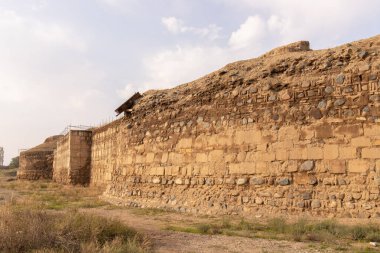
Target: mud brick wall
[(73, 157), (37, 163), (292, 131)]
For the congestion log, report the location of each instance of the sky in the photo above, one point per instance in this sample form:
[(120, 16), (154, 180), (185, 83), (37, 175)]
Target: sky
[(73, 62)]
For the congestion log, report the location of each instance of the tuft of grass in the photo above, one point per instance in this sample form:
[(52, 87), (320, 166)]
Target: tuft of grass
[(150, 211), (24, 230)]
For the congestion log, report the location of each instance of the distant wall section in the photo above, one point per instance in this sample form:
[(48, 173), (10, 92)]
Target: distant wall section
[(37, 163), (104, 153), (73, 158)]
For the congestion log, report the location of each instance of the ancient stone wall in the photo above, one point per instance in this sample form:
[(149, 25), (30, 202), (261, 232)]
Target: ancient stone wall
[(37, 163), (104, 153), (73, 157), (292, 131)]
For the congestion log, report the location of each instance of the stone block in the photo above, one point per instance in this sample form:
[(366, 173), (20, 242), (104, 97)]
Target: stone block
[(349, 130), (200, 142), (241, 156), (242, 181), (252, 136), (324, 131), (298, 154), (288, 133), (160, 171), (156, 180), (242, 168), (282, 155), (168, 170), (284, 181), (204, 171), (257, 181), (176, 158), (224, 140), (149, 158), (216, 156), (184, 143), (265, 156), (330, 152), (164, 158), (301, 179), (201, 158), (315, 204), (129, 160), (347, 153), (290, 166), (230, 157), (179, 181), (358, 166), (337, 167), (140, 159), (262, 168), (307, 165), (372, 130), (307, 133), (315, 153), (371, 153), (361, 141)]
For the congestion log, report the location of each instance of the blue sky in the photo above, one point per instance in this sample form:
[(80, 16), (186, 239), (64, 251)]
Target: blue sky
[(74, 61)]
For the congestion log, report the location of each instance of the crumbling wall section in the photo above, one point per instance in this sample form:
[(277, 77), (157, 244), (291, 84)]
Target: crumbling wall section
[(287, 132), (37, 163)]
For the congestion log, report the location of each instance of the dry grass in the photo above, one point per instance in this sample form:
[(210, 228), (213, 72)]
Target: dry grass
[(327, 232), (43, 218), (24, 230), (53, 196)]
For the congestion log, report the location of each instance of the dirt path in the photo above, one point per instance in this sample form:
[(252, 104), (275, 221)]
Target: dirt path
[(164, 241)]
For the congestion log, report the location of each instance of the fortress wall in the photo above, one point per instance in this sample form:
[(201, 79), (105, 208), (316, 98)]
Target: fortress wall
[(323, 168), (73, 157), (37, 163), (289, 132), (269, 150), (104, 152), (62, 160)]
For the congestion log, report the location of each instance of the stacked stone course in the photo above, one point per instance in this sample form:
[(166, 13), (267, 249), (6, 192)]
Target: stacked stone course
[(72, 158), (292, 131), (37, 163)]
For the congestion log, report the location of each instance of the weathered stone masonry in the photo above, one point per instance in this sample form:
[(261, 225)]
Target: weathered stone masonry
[(72, 158), (292, 131), (37, 163), (285, 132)]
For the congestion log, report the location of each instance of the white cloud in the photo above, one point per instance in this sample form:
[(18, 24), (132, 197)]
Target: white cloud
[(325, 23), (44, 77), (15, 27), (176, 26), (251, 32), (183, 64)]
